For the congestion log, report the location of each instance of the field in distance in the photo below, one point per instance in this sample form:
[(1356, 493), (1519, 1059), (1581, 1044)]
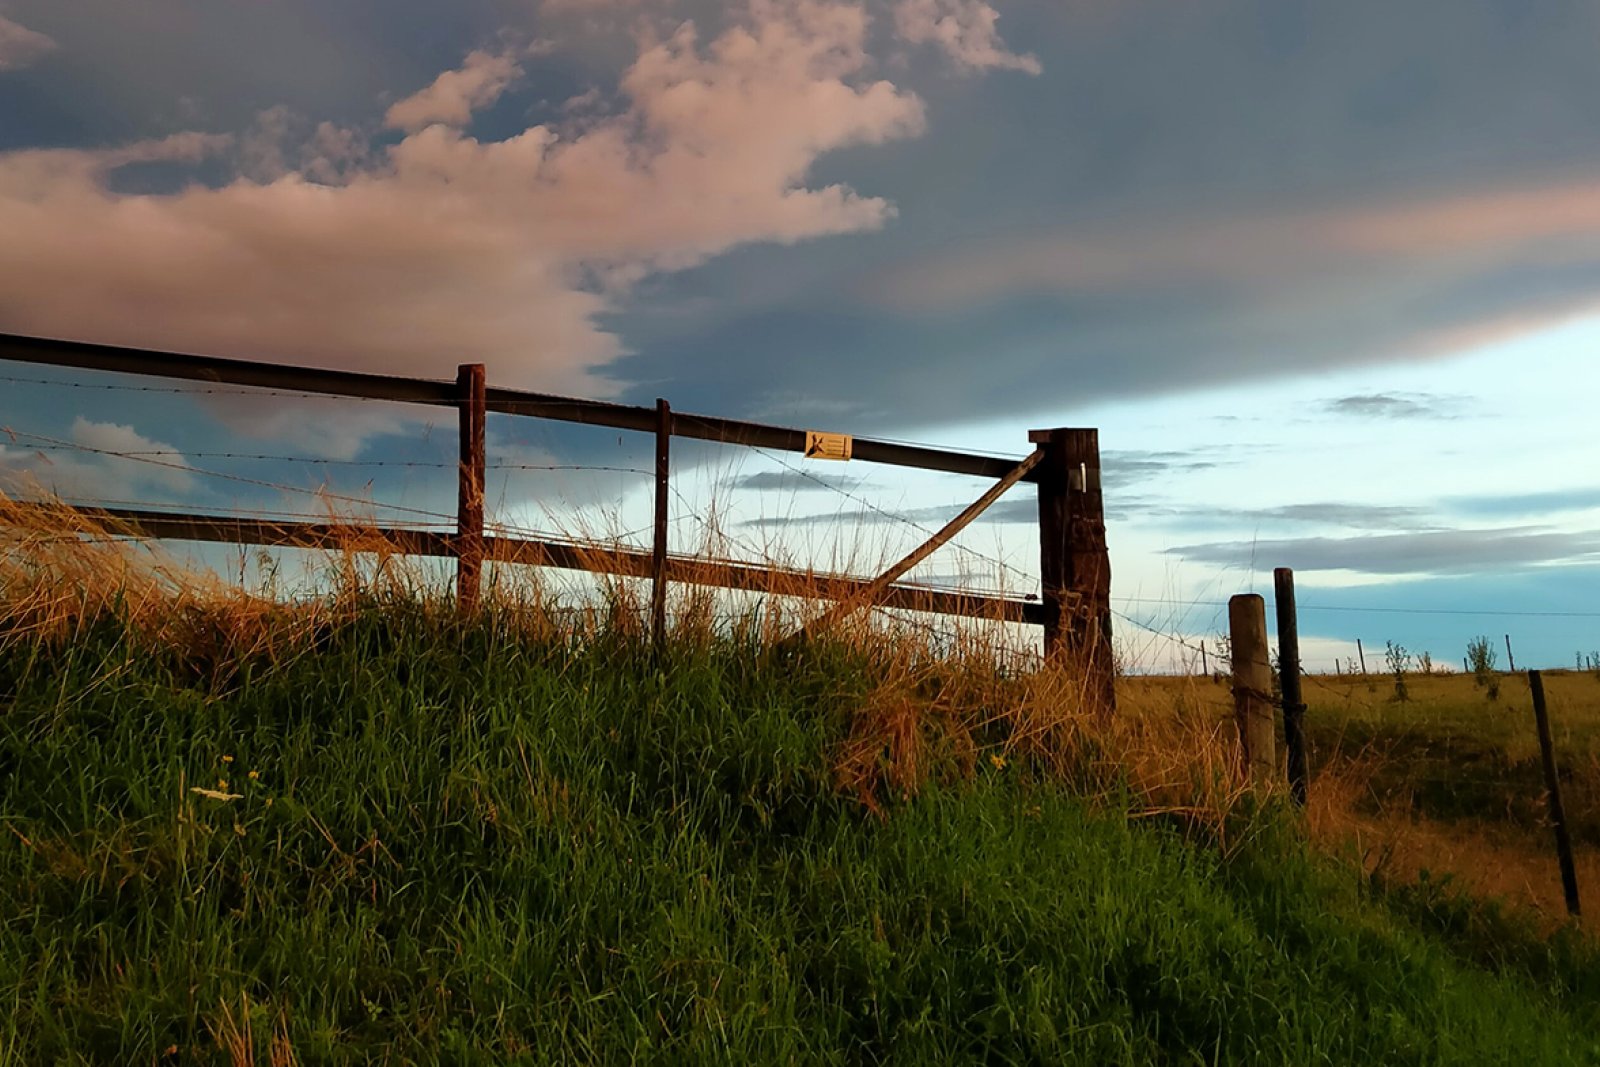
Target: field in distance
[(1447, 782)]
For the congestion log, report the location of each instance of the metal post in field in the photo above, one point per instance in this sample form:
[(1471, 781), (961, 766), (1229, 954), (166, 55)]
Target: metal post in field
[(658, 561), (1074, 563), (1294, 708), (1205, 664), (1252, 686), (1363, 654), (472, 408), (1552, 784), (1511, 660)]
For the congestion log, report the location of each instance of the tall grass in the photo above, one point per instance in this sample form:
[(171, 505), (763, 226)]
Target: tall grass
[(362, 829)]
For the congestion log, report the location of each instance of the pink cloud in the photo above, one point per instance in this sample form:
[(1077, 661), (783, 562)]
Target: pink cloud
[(1491, 219), (964, 30), (445, 248), (456, 94), (21, 47)]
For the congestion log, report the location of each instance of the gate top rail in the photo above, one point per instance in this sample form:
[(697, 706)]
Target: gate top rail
[(86, 356)]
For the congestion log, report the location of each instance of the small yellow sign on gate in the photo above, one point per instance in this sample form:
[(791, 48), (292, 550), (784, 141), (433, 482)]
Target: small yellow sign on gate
[(821, 445)]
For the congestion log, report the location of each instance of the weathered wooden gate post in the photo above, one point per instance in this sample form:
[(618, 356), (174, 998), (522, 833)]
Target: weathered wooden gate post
[(1252, 686), (1073, 561), (472, 407)]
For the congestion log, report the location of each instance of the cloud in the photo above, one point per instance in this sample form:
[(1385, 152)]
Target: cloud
[(1543, 503), (91, 472), (445, 248), (1015, 511), (1391, 406), (964, 30), (1129, 466), (21, 47), (1426, 552), (792, 482), (1414, 260), (456, 94), (1354, 516)]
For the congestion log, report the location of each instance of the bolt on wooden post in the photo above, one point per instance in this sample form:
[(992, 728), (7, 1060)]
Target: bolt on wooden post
[(472, 408), (1252, 687), (1073, 560)]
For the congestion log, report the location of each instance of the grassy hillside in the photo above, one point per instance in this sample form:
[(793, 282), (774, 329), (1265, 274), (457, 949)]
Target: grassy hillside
[(374, 835), (359, 830)]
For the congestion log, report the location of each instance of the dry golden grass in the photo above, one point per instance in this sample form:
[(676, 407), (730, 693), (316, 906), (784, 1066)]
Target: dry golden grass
[(1445, 784)]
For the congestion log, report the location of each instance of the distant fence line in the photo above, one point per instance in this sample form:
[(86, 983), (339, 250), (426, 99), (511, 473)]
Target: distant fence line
[(1074, 608)]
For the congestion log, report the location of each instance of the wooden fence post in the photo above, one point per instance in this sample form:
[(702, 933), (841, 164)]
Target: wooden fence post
[(1552, 784), (658, 562), (1511, 659), (1252, 686), (1073, 561), (1294, 708), (472, 408), (1363, 654)]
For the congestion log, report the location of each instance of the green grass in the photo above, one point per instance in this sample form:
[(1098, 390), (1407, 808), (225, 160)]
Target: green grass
[(461, 845)]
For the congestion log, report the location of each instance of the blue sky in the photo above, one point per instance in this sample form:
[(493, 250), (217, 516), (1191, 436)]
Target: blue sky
[(1326, 276)]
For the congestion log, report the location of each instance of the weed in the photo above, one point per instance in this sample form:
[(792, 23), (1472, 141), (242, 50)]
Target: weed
[(1398, 660)]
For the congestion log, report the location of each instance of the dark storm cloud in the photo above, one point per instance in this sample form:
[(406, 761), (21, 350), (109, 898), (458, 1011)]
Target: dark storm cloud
[(1187, 197), (128, 71), (1429, 552)]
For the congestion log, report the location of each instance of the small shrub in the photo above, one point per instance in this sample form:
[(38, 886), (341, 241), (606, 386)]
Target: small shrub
[(1399, 661), (1481, 658)]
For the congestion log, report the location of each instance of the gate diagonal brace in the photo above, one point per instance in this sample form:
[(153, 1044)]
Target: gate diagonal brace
[(875, 589)]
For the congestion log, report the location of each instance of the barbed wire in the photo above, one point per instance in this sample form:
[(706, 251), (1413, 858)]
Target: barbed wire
[(262, 391), (1380, 610), (329, 461), (225, 476), (237, 510), (1163, 634), (885, 513)]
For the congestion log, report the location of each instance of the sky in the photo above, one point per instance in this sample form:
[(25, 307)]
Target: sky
[(1325, 276)]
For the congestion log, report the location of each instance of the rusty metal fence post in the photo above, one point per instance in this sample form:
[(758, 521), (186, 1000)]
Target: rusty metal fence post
[(471, 388), (1294, 707), (658, 555)]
